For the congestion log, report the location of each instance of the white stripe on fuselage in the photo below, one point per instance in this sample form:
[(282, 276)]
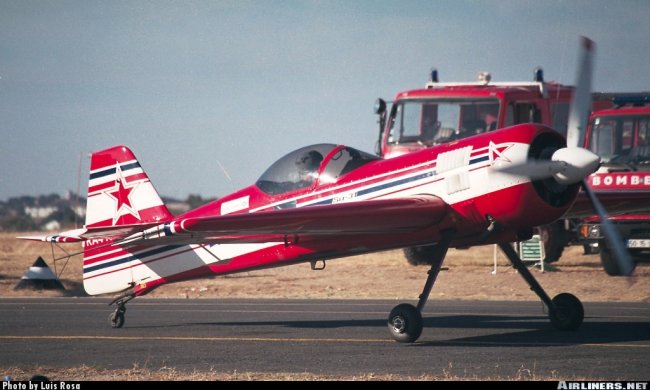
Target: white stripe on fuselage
[(478, 181)]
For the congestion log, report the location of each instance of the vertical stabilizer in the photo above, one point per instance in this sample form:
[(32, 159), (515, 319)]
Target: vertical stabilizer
[(119, 194), (119, 191)]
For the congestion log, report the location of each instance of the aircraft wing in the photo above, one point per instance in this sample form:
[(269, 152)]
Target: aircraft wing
[(383, 216), (377, 216), (367, 217)]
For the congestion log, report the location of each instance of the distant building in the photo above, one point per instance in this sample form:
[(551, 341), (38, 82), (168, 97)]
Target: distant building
[(177, 207), (52, 226), (40, 212), (80, 211)]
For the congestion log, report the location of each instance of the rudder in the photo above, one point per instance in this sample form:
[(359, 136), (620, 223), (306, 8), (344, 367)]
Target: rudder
[(120, 192)]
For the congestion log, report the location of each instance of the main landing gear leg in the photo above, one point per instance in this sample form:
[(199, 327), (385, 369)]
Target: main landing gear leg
[(565, 310), (405, 320), (116, 318)]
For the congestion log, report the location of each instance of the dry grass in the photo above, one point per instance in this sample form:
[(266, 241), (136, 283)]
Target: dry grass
[(467, 275), (86, 373)]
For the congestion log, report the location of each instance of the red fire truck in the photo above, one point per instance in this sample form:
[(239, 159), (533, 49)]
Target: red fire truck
[(442, 112), (621, 136)]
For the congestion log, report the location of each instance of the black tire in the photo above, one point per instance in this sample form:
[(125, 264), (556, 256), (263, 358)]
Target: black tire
[(569, 312), (420, 255), (117, 319), (607, 259), (555, 238), (405, 323)]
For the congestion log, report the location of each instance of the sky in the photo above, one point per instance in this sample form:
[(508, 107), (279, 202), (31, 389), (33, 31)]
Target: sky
[(208, 94)]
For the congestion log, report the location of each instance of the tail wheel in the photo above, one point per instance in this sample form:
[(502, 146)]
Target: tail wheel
[(405, 323), (117, 318), (568, 314)]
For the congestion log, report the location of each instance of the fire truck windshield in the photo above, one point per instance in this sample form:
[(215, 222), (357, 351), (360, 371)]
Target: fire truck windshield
[(429, 122), (621, 139)]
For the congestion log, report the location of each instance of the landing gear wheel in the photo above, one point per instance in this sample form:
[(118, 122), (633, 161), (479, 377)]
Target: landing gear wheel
[(117, 318), (607, 259), (569, 313), (405, 323)]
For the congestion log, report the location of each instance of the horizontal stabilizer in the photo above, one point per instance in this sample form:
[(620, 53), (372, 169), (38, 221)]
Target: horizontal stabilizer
[(68, 236)]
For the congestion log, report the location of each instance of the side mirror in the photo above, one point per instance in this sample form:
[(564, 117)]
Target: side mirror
[(380, 106)]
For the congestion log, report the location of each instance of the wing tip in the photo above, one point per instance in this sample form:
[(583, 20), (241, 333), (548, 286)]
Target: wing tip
[(68, 236)]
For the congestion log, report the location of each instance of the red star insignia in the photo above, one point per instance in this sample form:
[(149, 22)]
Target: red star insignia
[(121, 193), (497, 152)]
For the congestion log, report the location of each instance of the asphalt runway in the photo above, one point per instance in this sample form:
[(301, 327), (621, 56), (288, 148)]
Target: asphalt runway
[(461, 339)]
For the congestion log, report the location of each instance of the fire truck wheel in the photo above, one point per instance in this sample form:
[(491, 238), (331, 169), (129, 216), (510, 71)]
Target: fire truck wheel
[(419, 255), (554, 238), (609, 264)]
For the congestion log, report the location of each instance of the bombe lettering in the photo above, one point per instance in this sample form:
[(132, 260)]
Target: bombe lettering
[(620, 180)]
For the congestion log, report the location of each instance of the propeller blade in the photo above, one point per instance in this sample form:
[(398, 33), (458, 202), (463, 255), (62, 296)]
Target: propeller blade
[(581, 99), (612, 236), (566, 166)]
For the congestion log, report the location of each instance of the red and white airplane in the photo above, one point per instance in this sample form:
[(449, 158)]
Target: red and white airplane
[(329, 201)]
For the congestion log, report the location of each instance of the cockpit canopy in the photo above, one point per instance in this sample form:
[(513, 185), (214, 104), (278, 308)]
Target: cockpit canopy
[(324, 163)]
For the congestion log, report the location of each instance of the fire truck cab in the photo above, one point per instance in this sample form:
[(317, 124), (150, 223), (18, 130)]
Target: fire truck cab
[(621, 136), (443, 112)]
